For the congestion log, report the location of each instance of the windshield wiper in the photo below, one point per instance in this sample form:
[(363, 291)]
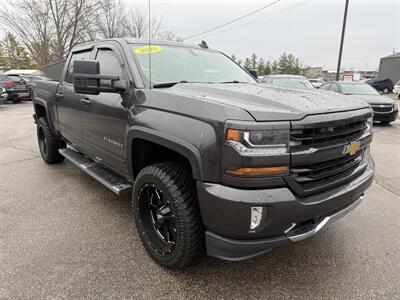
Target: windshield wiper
[(168, 84)]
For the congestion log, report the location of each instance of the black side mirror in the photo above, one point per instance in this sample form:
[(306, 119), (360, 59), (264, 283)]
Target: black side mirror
[(254, 73), (88, 80)]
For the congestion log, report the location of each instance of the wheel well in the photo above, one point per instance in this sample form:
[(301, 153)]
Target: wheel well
[(145, 153), (40, 111)]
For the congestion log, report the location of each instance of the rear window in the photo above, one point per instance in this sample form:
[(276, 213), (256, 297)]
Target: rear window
[(4, 78)]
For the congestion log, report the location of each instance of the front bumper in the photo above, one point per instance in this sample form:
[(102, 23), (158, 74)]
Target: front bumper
[(18, 95), (386, 116), (226, 215)]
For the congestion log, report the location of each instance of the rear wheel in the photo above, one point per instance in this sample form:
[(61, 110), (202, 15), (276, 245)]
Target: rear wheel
[(385, 90), (167, 215), (48, 143)]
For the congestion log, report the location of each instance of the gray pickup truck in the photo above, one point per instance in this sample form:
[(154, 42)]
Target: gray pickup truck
[(215, 162)]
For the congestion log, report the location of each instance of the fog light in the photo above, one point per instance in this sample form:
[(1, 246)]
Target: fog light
[(255, 216)]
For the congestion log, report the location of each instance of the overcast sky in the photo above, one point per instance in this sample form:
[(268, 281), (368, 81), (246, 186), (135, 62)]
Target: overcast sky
[(310, 31)]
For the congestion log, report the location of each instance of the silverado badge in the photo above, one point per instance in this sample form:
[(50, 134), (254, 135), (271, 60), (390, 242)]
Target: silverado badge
[(351, 148)]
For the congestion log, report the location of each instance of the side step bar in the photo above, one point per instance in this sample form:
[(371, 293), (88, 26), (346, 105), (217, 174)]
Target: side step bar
[(108, 178)]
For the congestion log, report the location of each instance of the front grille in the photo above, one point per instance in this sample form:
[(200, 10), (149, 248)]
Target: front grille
[(317, 144), (382, 108), (319, 177), (328, 134)]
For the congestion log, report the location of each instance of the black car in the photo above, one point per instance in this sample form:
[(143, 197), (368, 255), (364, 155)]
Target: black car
[(15, 88), (385, 108), (381, 85)]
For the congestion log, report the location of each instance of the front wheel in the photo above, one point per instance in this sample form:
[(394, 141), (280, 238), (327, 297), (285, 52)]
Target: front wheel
[(167, 214)]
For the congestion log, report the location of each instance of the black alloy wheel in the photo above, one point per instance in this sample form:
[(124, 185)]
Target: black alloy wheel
[(158, 218), (167, 214)]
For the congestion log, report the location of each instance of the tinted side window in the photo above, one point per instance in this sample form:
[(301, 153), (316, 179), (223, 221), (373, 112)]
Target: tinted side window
[(76, 56), (334, 88), (4, 78), (109, 62), (325, 86)]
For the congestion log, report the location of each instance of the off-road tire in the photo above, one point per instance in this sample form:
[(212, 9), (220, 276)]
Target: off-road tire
[(50, 153), (177, 185)]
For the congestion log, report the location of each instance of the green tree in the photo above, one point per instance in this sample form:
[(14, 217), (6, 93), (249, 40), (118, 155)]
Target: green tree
[(263, 67), (287, 64), (253, 61), (14, 55), (3, 58), (247, 64)]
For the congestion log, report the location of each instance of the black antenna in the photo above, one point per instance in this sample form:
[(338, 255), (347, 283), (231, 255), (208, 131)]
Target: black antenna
[(150, 44)]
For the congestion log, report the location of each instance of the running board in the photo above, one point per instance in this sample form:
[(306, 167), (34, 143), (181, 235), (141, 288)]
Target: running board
[(108, 178)]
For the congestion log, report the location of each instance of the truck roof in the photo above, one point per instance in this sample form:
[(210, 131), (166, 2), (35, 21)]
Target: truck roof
[(129, 40)]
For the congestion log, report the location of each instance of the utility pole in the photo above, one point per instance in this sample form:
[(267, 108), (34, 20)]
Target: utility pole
[(342, 40)]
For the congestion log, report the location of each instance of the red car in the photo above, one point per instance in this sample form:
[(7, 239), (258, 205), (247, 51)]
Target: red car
[(15, 88)]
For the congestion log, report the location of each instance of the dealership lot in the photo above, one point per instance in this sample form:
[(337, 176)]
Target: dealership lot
[(65, 235)]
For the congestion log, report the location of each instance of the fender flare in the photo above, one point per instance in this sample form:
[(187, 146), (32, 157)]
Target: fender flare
[(180, 146), (43, 103)]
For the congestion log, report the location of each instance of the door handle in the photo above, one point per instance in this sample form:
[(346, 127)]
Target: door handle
[(86, 101), (59, 95)]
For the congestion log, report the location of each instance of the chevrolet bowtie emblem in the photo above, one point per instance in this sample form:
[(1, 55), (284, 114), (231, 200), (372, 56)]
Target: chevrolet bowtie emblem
[(352, 148)]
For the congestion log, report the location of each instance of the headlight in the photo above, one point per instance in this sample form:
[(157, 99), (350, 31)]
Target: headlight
[(259, 142), (370, 123)]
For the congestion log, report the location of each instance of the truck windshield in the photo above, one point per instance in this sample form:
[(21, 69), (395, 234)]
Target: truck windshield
[(172, 64)]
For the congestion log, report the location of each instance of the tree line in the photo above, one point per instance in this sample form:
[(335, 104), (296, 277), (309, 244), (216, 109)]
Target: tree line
[(44, 31), (286, 64)]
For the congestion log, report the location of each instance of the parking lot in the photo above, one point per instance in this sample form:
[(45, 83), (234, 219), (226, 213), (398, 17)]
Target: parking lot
[(64, 235)]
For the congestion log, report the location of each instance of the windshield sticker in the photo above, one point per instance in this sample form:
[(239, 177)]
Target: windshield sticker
[(147, 49)]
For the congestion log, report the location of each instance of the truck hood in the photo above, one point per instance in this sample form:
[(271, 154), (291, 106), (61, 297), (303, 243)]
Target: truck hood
[(266, 102)]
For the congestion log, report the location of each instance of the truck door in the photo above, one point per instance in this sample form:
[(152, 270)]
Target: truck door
[(69, 104), (104, 117)]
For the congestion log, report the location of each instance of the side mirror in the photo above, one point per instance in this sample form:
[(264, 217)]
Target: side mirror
[(88, 80), (254, 73)]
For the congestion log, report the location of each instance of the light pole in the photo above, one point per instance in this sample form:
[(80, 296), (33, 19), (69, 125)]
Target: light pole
[(342, 40)]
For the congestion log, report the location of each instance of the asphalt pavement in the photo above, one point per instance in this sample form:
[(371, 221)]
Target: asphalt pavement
[(64, 235)]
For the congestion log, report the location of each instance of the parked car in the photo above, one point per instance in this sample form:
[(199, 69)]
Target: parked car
[(3, 95), (316, 82), (15, 88), (385, 108), (217, 163), (381, 85), (287, 80), (396, 88)]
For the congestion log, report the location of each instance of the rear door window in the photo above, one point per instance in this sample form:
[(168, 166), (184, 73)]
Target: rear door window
[(325, 86), (334, 88)]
